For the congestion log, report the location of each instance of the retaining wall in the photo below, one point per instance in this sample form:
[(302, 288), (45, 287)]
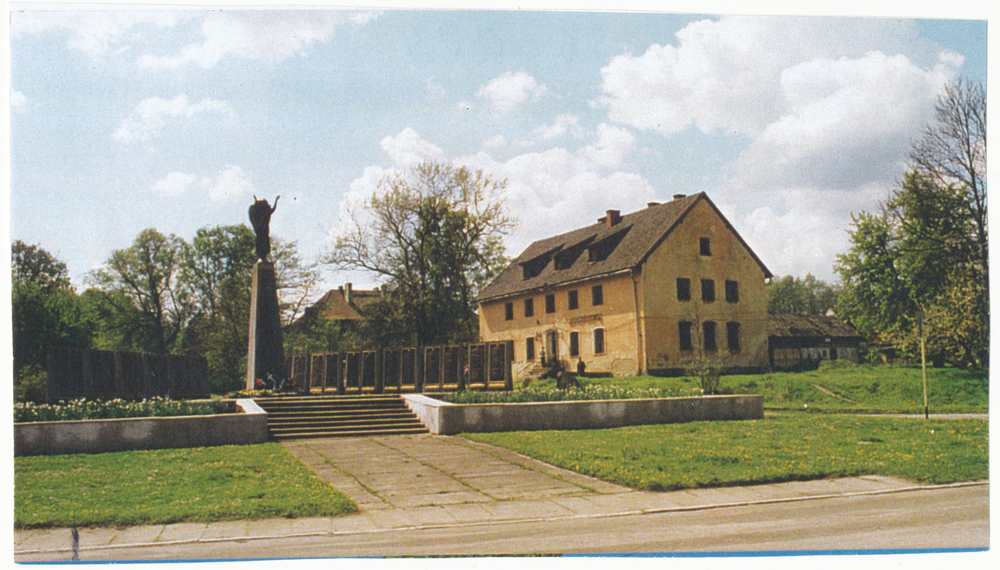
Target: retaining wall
[(102, 436), (446, 418)]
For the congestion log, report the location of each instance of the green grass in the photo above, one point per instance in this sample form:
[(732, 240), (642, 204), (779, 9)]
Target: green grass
[(890, 389), (790, 446), (172, 485)]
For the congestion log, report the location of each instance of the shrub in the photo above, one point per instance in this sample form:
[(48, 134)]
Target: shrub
[(30, 384), (707, 369)]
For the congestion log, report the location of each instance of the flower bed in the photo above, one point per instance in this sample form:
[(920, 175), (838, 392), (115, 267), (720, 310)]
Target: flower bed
[(83, 409), (575, 394)]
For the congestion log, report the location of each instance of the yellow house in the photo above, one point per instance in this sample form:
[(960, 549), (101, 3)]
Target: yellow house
[(636, 294)]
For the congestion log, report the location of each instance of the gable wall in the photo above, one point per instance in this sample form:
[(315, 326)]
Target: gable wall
[(679, 256)]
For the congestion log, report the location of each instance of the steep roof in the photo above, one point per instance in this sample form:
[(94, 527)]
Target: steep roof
[(597, 250), (787, 325), (333, 306)]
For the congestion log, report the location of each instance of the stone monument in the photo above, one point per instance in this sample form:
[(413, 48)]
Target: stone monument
[(266, 355)]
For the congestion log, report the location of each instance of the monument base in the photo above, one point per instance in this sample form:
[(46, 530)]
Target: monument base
[(266, 354)]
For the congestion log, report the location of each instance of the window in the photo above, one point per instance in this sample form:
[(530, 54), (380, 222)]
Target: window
[(574, 344), (708, 290), (705, 245), (708, 335), (732, 291), (508, 311), (597, 295), (550, 303), (683, 289), (598, 341), (529, 349), (733, 334), (684, 332), (573, 300), (529, 307)]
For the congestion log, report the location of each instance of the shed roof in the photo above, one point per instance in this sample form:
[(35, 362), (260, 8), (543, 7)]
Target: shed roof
[(787, 325), (599, 249)]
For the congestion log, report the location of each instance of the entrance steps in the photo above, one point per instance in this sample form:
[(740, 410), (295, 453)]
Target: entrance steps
[(313, 417)]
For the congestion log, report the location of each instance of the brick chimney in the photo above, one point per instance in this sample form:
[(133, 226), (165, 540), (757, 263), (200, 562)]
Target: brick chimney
[(612, 219), (679, 196), (347, 295)]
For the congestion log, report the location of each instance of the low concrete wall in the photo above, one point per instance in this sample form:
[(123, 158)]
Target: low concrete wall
[(447, 419), (102, 436)]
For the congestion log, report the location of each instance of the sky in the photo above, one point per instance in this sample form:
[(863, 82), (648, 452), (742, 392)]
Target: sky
[(126, 118)]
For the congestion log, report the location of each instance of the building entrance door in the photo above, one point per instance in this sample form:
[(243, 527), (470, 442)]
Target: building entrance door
[(552, 344)]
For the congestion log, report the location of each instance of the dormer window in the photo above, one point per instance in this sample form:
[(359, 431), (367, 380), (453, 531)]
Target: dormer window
[(600, 250)]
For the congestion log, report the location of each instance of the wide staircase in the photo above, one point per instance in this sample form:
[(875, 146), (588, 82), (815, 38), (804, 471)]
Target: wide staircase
[(312, 417)]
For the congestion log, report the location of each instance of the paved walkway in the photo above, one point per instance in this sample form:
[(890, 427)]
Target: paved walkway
[(426, 481)]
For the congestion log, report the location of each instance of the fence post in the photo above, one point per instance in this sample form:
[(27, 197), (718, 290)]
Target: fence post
[(419, 363), (379, 370)]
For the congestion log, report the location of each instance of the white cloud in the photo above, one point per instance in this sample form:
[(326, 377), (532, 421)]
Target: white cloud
[(827, 108), (174, 184), (150, 117), (549, 192), (266, 35), (848, 122), (92, 31), (509, 90), (563, 124), (229, 184), (726, 74), (408, 149), (18, 102), (612, 145)]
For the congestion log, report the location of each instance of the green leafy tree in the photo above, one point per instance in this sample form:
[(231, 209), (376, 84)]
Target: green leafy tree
[(927, 249), (142, 282), (217, 269), (433, 233), (800, 296), (46, 311)]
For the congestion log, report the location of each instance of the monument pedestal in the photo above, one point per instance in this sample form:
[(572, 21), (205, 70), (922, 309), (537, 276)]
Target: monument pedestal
[(266, 355)]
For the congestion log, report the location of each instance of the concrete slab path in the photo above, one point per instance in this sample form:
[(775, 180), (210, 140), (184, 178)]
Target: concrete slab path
[(426, 481)]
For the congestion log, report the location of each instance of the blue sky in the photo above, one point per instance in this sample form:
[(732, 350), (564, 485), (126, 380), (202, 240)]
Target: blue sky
[(123, 119)]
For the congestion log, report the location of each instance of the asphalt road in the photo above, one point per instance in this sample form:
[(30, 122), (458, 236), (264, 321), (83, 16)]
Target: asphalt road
[(926, 519)]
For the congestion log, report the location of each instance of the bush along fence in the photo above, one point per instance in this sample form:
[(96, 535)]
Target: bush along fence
[(73, 373), (479, 366)]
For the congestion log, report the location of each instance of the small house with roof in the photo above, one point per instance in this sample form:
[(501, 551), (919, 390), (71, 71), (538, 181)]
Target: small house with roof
[(639, 293), (800, 342)]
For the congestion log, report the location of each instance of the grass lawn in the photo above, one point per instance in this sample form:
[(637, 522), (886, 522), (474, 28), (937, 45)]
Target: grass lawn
[(170, 485), (786, 447), (861, 389)]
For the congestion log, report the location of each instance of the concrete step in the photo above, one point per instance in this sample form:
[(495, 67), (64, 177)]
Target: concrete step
[(332, 416)]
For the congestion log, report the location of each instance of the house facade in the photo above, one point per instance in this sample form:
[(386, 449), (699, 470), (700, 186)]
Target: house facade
[(639, 293)]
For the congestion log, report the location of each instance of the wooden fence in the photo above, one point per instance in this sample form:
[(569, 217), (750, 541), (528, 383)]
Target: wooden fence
[(398, 370), (106, 375)]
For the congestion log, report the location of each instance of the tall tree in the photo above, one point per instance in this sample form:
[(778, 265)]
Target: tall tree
[(143, 280), (433, 233), (46, 311), (927, 251), (951, 152)]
